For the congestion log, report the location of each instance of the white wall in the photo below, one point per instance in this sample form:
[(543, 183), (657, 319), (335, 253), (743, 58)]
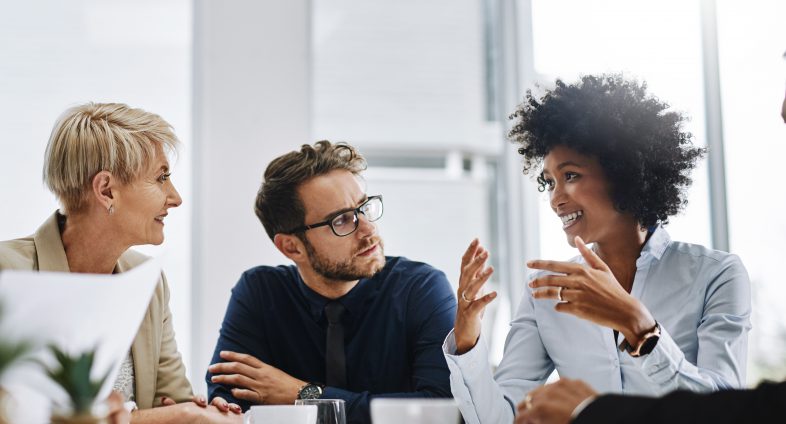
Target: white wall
[(399, 73), (56, 54), (252, 102)]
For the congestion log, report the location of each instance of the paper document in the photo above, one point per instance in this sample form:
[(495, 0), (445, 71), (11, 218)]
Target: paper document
[(76, 312)]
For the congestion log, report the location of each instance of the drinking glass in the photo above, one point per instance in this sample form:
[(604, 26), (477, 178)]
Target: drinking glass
[(329, 411)]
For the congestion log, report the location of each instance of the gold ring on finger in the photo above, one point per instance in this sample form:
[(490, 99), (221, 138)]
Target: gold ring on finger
[(464, 298)]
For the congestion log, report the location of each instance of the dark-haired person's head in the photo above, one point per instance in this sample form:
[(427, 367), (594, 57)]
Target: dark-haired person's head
[(313, 205), (625, 148)]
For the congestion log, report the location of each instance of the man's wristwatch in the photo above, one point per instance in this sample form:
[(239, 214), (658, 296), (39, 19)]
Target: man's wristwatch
[(645, 345), (310, 391)]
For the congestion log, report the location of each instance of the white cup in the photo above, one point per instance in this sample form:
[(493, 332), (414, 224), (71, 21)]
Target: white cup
[(414, 411), (281, 414)]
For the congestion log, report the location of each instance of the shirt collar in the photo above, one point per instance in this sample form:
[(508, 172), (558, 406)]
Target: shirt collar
[(352, 301), (657, 243)]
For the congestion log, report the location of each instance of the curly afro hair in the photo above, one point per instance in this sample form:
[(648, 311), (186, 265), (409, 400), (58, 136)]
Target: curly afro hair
[(644, 152)]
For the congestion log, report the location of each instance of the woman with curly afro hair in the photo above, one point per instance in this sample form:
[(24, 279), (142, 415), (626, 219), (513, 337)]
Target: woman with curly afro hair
[(635, 313)]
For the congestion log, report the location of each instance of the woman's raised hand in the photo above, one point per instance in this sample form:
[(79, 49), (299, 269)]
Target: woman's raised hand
[(591, 292), (474, 275)]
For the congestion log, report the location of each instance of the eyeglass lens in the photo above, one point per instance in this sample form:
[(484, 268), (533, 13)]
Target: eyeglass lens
[(347, 222)]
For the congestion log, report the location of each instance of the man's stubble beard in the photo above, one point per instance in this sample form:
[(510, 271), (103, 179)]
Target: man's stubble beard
[(344, 270)]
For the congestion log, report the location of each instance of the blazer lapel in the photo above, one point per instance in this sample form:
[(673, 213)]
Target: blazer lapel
[(49, 246)]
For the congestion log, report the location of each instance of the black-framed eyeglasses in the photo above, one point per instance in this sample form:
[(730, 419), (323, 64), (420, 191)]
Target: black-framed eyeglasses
[(345, 223)]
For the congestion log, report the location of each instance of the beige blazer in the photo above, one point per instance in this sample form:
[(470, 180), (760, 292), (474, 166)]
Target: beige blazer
[(158, 369)]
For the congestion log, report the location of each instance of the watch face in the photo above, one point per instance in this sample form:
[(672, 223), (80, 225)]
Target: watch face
[(649, 345), (311, 391)]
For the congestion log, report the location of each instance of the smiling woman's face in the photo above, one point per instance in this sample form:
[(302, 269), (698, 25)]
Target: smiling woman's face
[(580, 194), (140, 206)]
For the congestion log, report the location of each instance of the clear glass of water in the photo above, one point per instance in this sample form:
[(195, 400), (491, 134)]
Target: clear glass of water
[(329, 411)]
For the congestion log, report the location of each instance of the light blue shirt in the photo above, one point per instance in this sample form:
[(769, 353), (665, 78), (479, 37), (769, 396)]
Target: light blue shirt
[(700, 297)]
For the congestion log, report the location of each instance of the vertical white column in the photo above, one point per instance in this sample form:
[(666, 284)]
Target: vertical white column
[(252, 102), (714, 124)]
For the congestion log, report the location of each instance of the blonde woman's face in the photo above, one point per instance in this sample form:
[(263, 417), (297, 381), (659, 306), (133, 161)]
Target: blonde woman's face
[(142, 205)]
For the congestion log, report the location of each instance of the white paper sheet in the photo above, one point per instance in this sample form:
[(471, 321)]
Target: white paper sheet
[(76, 312)]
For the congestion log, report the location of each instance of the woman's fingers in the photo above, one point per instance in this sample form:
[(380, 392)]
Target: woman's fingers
[(220, 403), (199, 400), (470, 270), (548, 293), (469, 254), (555, 266), (473, 275), (553, 280), (470, 291), (590, 257), (479, 304), (480, 256)]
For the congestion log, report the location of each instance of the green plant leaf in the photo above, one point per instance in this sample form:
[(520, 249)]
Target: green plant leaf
[(73, 375)]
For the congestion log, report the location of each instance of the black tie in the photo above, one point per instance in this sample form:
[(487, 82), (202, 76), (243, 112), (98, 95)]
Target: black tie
[(335, 361)]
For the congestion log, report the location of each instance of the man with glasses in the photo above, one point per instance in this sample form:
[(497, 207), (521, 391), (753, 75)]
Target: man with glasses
[(344, 322)]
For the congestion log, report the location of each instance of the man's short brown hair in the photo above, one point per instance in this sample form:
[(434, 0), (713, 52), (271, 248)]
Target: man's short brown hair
[(278, 205)]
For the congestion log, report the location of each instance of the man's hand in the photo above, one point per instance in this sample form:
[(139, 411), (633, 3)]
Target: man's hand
[(254, 380), (553, 403)]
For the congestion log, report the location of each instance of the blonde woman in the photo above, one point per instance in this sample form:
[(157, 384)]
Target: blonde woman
[(107, 164)]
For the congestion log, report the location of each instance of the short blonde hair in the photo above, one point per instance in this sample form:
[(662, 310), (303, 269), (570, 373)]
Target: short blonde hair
[(95, 137)]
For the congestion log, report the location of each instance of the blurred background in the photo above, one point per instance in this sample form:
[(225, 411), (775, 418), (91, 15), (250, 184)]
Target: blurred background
[(424, 89)]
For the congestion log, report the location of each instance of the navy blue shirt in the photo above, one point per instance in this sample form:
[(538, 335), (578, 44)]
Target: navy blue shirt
[(394, 326)]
